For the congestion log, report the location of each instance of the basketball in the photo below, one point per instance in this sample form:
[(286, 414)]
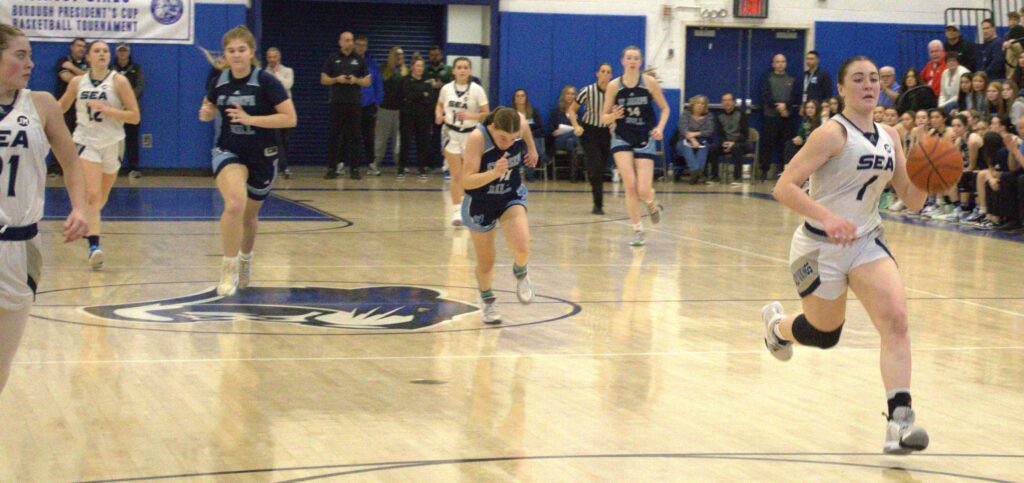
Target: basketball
[(935, 165)]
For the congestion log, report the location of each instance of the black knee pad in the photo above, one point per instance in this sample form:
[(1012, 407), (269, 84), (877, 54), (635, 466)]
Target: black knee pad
[(807, 334)]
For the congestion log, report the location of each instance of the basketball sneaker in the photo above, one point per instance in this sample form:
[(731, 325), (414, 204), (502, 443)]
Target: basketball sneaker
[(524, 289), (654, 209), (771, 315), (457, 216), (489, 311), (400, 174), (96, 257), (244, 271), (639, 239), (901, 436), (897, 205), (228, 279)]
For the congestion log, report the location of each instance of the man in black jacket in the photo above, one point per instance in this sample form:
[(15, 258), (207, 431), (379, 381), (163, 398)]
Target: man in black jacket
[(816, 83), (956, 43), (731, 130), (133, 72)]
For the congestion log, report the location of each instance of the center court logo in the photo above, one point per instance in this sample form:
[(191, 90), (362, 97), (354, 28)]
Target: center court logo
[(370, 308)]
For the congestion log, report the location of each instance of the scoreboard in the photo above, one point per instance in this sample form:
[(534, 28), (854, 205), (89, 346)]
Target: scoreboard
[(750, 8)]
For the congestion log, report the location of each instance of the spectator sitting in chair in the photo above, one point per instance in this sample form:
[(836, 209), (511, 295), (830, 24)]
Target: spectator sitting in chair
[(560, 129), (731, 131), (695, 129)]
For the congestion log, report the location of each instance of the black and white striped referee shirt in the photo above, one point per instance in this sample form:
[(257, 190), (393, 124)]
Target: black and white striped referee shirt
[(592, 100)]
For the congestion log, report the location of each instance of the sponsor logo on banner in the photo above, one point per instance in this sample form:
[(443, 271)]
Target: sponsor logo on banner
[(145, 21)]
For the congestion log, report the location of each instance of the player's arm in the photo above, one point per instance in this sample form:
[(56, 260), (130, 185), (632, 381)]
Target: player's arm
[(439, 108), (663, 109), (130, 113), (75, 226), (611, 112), (485, 109), (471, 154), (284, 118), (68, 99), (823, 144), (531, 146), (910, 195), (571, 112)]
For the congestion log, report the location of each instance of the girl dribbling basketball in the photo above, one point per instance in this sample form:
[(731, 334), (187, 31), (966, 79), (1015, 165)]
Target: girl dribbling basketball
[(849, 160), (35, 125)]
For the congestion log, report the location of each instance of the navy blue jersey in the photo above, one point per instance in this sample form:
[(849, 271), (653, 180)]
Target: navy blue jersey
[(258, 94), (638, 104), (507, 185)]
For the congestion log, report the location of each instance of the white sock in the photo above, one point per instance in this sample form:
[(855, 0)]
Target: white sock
[(639, 226)]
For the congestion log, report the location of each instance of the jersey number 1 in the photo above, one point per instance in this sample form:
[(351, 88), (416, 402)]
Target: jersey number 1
[(14, 174), (864, 189)]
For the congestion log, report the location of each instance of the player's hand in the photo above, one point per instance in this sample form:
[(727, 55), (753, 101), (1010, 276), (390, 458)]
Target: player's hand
[(578, 131), (75, 226), (840, 231), (501, 167), (656, 134), (207, 111), (238, 115), (618, 112), (531, 158), (461, 115)]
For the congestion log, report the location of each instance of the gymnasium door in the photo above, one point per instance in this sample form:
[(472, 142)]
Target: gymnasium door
[(738, 60)]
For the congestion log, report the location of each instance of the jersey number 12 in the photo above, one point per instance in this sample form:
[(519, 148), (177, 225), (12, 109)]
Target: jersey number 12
[(93, 116), (14, 174)]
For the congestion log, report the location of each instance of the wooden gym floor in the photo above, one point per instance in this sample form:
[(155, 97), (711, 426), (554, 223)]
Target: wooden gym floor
[(359, 353)]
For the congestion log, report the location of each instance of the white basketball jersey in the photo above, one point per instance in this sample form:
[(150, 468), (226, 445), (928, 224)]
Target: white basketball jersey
[(23, 149), (851, 183), (94, 129), (469, 99)]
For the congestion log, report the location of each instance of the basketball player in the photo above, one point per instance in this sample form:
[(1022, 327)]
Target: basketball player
[(253, 104), (849, 160), (495, 193), (969, 144), (104, 101), (629, 103), (31, 123), (460, 107)]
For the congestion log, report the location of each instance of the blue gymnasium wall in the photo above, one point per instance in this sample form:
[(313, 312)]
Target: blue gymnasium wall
[(543, 52), (175, 77)]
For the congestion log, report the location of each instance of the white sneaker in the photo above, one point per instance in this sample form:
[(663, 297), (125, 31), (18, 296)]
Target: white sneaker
[(524, 289), (771, 315), (457, 217), (96, 258), (615, 176), (244, 272), (898, 205), (489, 312), (639, 239), (228, 279), (901, 436)]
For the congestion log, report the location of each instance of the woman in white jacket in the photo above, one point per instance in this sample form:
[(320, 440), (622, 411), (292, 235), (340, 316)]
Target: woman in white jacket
[(950, 90)]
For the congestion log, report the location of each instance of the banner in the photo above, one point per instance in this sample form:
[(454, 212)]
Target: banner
[(146, 21)]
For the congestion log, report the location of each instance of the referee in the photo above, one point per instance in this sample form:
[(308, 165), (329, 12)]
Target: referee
[(596, 139)]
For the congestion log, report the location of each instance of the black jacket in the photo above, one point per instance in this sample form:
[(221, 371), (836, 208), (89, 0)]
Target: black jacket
[(133, 72)]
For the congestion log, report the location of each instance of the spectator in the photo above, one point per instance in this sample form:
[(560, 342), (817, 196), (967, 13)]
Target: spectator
[(891, 117), (992, 60), (1012, 101), (369, 101), (950, 84), (417, 118), (521, 103), (133, 72), (826, 112), (967, 50), (1001, 186), (346, 73), (878, 114), (920, 129), (835, 104), (695, 129), (937, 124), (776, 95), (904, 127), (969, 145), (389, 114), (561, 131), (286, 75), (731, 134), (68, 68), (437, 74), (994, 96), (890, 89), (1018, 72), (916, 95), (965, 90), (594, 136), (932, 72), (817, 84), (977, 100), (810, 120), (1012, 46)]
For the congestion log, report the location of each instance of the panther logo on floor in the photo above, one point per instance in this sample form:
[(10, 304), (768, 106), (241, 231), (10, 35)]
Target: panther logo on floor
[(388, 307)]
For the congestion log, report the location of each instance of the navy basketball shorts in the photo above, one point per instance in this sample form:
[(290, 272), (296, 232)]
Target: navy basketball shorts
[(644, 149), (482, 214), (262, 166)]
